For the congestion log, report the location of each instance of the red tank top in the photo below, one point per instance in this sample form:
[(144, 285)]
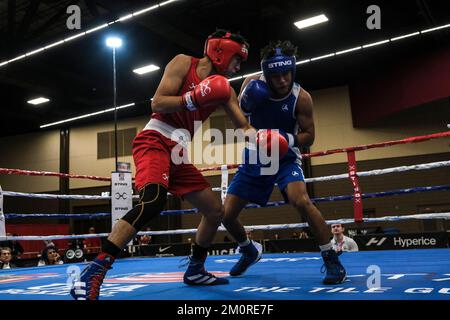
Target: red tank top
[(185, 119)]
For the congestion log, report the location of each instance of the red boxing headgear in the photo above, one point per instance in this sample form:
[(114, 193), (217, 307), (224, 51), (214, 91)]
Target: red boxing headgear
[(221, 51)]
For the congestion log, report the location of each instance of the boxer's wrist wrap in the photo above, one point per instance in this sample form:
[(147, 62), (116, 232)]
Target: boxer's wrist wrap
[(291, 140), (188, 101)]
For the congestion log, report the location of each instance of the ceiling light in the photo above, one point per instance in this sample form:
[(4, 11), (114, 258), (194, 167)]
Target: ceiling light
[(236, 78), (145, 10), (87, 115), (17, 58), (132, 15), (323, 57), (311, 21), (75, 36), (128, 16), (405, 36), (38, 100), (303, 61), (97, 28), (54, 44), (375, 44), (146, 69), (348, 50), (34, 52), (252, 74), (114, 42), (167, 2), (436, 28)]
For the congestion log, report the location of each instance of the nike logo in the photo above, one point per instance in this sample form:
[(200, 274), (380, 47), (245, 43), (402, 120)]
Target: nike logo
[(164, 249)]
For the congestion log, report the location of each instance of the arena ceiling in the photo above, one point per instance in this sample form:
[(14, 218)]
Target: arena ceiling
[(77, 76)]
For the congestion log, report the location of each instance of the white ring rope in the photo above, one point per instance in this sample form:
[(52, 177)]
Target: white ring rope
[(54, 196), (425, 216), (58, 196), (376, 172)]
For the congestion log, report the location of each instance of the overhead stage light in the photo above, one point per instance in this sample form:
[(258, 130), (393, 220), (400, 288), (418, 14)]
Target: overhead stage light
[(146, 69), (302, 24), (38, 100)]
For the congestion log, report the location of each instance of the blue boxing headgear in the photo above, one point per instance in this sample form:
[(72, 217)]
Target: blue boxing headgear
[(278, 63)]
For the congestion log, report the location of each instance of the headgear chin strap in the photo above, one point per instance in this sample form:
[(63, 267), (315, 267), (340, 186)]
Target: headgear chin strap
[(221, 51), (279, 63)]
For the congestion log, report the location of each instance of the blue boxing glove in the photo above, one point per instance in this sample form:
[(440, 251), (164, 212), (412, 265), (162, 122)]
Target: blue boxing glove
[(255, 93)]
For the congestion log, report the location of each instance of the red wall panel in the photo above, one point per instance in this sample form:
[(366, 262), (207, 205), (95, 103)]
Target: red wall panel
[(39, 230), (413, 82)]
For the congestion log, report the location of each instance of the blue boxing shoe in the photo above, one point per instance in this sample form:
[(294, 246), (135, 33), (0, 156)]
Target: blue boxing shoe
[(335, 272), (87, 287), (251, 254), (196, 275)]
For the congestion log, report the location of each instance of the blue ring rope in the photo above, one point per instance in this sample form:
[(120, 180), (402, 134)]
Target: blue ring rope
[(249, 206)]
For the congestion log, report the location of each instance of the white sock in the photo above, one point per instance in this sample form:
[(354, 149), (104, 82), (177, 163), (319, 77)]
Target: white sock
[(245, 243), (326, 247)]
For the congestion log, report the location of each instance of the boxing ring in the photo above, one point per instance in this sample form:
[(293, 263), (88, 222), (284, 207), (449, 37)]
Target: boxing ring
[(421, 274), (407, 275)]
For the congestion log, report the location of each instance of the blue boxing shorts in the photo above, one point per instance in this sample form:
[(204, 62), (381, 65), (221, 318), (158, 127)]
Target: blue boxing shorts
[(256, 188)]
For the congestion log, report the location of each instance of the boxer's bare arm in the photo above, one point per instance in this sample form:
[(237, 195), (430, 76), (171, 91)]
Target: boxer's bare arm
[(166, 98), (305, 120)]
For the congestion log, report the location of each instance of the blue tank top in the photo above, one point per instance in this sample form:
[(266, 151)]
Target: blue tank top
[(279, 114)]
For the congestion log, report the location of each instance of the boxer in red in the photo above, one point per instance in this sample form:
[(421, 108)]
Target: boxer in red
[(190, 90)]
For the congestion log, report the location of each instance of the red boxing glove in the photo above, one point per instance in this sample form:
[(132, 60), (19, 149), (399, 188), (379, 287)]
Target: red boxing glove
[(267, 139), (211, 91)]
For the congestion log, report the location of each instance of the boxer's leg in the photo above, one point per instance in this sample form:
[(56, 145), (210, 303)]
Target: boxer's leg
[(251, 250), (210, 207), (299, 199)]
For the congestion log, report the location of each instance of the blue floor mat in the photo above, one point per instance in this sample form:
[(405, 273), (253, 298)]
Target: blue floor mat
[(403, 275)]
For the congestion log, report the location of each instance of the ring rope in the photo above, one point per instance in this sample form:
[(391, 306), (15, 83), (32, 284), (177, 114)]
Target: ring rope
[(248, 206), (381, 194), (357, 148), (427, 216), (57, 196), (57, 215), (224, 167), (376, 172), (350, 197), (51, 174), (381, 144), (328, 199), (233, 166)]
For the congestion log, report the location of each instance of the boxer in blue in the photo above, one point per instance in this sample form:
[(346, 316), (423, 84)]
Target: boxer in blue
[(274, 100)]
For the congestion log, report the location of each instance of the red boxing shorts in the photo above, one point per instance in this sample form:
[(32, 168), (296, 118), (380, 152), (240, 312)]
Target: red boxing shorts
[(152, 157)]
